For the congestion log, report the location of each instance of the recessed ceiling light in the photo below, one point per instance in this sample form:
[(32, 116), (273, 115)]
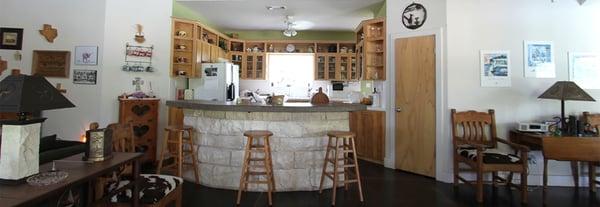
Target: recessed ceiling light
[(273, 8)]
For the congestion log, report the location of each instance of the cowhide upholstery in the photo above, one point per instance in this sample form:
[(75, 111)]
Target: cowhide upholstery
[(153, 188), (490, 156)]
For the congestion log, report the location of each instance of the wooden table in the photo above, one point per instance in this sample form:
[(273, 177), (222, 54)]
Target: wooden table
[(79, 173), (534, 142)]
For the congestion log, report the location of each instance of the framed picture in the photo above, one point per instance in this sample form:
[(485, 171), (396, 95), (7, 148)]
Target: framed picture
[(495, 68), (539, 59), (85, 77), (12, 38), (584, 69), (86, 55), (51, 63)]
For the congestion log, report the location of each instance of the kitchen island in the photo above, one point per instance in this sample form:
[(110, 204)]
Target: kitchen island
[(298, 144)]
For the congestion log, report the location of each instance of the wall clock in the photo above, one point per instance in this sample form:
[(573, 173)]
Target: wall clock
[(414, 16)]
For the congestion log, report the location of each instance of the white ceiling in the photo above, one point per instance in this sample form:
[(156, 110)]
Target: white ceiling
[(308, 14)]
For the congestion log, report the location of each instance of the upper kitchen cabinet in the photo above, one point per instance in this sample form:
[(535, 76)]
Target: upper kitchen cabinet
[(254, 62), (371, 54), (194, 44), (336, 61), (182, 47)]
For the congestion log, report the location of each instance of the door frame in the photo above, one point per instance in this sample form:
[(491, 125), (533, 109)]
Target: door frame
[(442, 165)]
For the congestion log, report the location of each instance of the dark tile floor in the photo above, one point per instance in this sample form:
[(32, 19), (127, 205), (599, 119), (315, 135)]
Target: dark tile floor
[(386, 187)]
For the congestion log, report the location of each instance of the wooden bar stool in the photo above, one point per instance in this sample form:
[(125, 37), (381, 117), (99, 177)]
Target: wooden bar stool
[(178, 148), (257, 165), (340, 145)]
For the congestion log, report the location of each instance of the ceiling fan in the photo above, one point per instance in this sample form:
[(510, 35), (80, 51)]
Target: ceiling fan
[(289, 31), (578, 1)]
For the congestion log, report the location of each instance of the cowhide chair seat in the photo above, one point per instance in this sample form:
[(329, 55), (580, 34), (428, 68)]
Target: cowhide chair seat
[(154, 189)]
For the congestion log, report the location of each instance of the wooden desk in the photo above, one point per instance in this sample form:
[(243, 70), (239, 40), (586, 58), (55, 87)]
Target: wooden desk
[(79, 173), (534, 142)]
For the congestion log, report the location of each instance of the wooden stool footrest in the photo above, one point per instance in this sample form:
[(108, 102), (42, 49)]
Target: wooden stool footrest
[(257, 173)]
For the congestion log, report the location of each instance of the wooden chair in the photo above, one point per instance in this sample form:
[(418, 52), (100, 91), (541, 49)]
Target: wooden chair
[(593, 122), (475, 144), (124, 141), (584, 149)]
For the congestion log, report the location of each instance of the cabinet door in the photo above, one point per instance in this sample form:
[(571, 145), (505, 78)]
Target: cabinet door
[(353, 68), (214, 53), (320, 67), (249, 73), (343, 68), (331, 65), (205, 52), (369, 127), (259, 67)]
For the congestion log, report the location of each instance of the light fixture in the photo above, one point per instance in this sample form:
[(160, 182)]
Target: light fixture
[(289, 30), (273, 8)]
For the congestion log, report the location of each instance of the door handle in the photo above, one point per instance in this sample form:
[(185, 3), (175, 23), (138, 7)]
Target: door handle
[(398, 109)]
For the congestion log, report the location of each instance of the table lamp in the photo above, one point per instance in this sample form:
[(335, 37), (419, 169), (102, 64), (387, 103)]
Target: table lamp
[(565, 91), (19, 152)]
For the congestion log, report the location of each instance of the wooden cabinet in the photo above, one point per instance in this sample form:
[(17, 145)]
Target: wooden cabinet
[(182, 47), (336, 61), (369, 127), (371, 44), (143, 116), (194, 44), (347, 69), (254, 66), (326, 65)]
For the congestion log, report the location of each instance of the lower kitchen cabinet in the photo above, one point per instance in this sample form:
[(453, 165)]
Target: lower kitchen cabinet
[(369, 127)]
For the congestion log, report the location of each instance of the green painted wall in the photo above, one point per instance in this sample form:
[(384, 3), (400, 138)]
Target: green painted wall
[(382, 10), (181, 11), (302, 35)]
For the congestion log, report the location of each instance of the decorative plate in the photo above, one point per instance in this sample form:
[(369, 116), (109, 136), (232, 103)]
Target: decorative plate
[(47, 178), (290, 48), (414, 16)]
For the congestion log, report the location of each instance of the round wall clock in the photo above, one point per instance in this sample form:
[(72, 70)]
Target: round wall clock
[(290, 48), (414, 16)]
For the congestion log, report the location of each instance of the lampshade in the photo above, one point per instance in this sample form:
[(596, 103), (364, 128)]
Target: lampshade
[(24, 93), (566, 91)]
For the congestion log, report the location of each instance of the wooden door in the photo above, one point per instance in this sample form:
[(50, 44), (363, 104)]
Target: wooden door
[(415, 105)]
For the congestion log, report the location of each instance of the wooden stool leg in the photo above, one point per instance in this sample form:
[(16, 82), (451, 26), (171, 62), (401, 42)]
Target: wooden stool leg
[(324, 173), (335, 170), (270, 161), (592, 176), (180, 154), (357, 171), (245, 164), (269, 170), (545, 185), (162, 152), (194, 156), (345, 147)]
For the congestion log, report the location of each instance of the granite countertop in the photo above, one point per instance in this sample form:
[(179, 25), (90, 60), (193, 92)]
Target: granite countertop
[(257, 107)]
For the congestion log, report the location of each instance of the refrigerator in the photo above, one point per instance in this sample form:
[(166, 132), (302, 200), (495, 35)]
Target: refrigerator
[(219, 82)]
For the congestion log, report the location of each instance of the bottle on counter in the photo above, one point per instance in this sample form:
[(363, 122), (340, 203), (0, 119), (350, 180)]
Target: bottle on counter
[(375, 98)]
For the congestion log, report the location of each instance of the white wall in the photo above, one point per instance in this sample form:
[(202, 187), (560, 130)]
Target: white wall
[(475, 25), (79, 24), (108, 24), (121, 18)]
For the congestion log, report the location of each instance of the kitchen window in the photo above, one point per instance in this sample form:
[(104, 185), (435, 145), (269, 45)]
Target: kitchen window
[(291, 73)]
